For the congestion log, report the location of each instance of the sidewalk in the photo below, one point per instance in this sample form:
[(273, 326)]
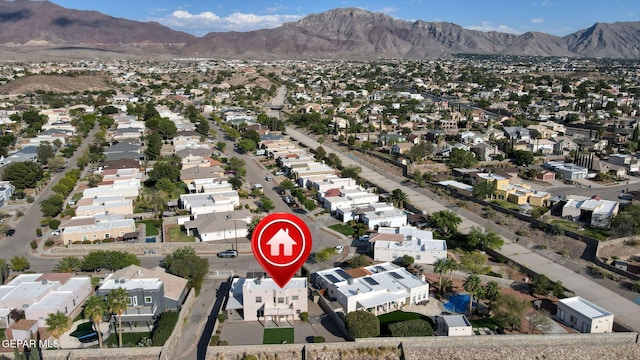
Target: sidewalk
[(625, 310)]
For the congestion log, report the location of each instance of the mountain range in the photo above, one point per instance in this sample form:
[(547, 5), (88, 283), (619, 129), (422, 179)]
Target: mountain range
[(41, 27)]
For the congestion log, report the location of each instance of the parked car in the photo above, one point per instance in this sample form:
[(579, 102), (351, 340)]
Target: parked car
[(268, 178), (364, 237), (339, 249), (55, 233), (10, 232), (228, 254)]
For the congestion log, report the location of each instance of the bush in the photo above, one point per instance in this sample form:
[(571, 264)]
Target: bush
[(304, 316), (214, 340), (33, 244), (415, 327), (362, 324), (163, 327), (30, 199), (86, 242), (54, 224), (635, 286), (49, 243), (318, 339), (222, 317), (38, 232), (77, 242), (359, 261)]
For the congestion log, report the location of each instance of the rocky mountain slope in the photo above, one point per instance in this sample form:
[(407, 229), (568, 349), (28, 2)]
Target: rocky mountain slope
[(347, 33)]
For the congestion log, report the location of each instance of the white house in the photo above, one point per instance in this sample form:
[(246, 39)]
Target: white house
[(205, 203), (584, 315), (42, 294), (386, 216), (594, 211), (219, 226), (262, 299), (416, 243), (334, 199), (456, 325), (380, 287)]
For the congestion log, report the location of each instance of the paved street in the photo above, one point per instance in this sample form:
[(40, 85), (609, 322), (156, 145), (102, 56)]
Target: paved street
[(625, 310)]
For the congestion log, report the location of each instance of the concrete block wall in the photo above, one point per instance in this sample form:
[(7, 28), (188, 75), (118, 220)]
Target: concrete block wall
[(169, 348), (138, 248)]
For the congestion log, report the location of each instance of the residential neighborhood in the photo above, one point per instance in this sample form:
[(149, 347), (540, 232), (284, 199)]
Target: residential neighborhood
[(465, 197)]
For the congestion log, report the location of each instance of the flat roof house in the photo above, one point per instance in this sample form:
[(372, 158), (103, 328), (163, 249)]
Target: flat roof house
[(261, 299), (379, 287), (584, 316), (220, 226), (416, 243), (456, 325)]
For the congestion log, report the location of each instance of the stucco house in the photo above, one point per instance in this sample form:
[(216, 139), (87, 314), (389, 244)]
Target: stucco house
[(584, 316), (219, 226)]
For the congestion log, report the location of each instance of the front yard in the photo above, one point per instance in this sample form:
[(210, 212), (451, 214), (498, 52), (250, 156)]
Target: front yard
[(278, 336)]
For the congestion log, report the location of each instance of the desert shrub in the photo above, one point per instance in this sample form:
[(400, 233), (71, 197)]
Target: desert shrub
[(318, 339), (77, 242), (362, 324), (635, 286), (304, 316), (49, 243), (33, 244), (54, 224), (222, 317), (86, 242), (38, 232)]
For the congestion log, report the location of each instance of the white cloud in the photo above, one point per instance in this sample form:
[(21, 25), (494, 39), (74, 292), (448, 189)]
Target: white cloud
[(275, 8), (488, 26), (537, 21), (205, 22), (388, 10)]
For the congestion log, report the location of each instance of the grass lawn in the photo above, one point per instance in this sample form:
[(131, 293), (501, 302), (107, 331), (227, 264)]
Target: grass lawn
[(598, 234), (484, 323), (129, 339), (77, 196), (506, 204), (150, 226), (278, 335), (176, 235), (343, 229)]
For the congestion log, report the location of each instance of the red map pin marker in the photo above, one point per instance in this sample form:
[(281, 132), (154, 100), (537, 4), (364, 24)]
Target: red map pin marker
[(281, 243)]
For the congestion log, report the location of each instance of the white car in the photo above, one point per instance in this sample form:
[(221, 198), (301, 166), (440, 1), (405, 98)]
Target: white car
[(55, 233), (339, 249)]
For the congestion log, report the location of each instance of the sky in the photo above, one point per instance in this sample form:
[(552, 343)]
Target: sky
[(557, 17)]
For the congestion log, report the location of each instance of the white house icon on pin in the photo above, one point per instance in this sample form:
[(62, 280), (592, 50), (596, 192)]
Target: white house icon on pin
[(281, 238)]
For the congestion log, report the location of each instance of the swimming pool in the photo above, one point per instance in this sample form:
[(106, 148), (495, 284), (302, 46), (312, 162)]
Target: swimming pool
[(85, 333), (458, 303)]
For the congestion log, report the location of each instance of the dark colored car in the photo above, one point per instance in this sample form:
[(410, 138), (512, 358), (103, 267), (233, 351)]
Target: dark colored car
[(10, 232), (228, 254)]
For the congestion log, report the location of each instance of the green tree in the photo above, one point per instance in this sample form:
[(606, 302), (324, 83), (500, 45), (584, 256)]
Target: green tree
[(117, 301), (398, 198), (442, 266), (55, 163), (237, 165), (362, 324), (473, 285), (287, 184), (509, 310), (163, 328), (23, 175), (52, 205), (57, 324), (185, 263), (491, 291), (108, 259), (333, 160), (247, 145), (446, 221), (460, 158), (203, 128), (266, 204), (352, 172), (95, 309), (252, 135), (320, 153), (359, 261), (165, 170), (523, 157), (474, 262), (68, 264), (19, 263), (167, 128), (540, 320), (154, 146), (484, 189), (484, 240), (407, 260), (542, 285), (221, 145), (4, 270), (45, 151)]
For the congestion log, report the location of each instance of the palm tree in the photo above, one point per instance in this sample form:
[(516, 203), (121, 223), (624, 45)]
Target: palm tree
[(117, 301), (441, 267), (398, 197), (473, 285), (445, 220), (68, 264), (491, 291), (486, 239), (57, 324), (95, 308)]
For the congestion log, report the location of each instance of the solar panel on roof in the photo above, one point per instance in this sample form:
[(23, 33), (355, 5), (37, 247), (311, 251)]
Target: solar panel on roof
[(343, 274), (332, 278), (397, 276), (371, 281)]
